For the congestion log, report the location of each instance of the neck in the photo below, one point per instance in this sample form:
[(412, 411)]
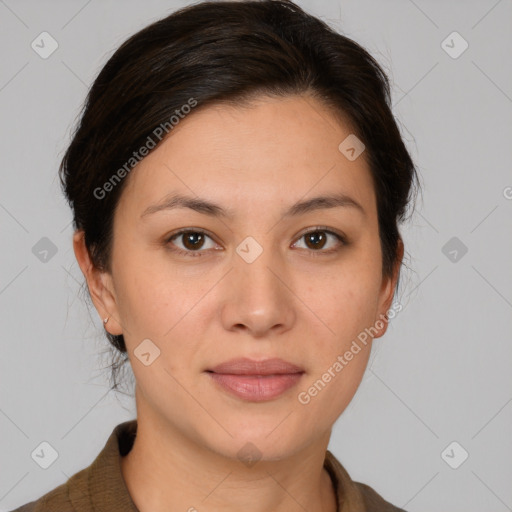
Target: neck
[(166, 467)]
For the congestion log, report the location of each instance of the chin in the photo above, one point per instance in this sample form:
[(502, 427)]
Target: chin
[(258, 441), (248, 451)]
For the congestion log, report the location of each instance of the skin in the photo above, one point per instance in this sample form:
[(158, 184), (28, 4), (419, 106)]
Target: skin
[(292, 302)]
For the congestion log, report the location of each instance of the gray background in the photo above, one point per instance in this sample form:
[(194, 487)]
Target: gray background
[(442, 371)]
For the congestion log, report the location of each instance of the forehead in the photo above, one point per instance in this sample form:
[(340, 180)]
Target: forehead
[(274, 149)]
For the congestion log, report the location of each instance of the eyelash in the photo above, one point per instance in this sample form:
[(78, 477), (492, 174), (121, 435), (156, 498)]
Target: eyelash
[(194, 254)]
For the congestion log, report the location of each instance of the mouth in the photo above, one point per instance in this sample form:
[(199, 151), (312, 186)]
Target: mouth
[(245, 366), (256, 381)]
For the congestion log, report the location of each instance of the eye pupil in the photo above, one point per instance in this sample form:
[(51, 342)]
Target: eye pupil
[(314, 238), (195, 239)]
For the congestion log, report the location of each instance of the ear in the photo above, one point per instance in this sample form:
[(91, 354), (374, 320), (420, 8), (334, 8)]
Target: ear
[(100, 285), (387, 292)]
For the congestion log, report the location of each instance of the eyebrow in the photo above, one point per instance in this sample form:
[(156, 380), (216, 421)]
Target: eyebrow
[(206, 207)]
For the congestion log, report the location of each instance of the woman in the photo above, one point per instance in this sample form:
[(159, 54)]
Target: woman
[(236, 181)]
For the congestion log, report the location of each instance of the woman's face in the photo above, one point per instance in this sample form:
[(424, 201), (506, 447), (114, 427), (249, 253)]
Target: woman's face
[(252, 283)]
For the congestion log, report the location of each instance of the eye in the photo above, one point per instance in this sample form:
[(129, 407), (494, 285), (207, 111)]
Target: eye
[(192, 241), (317, 239)]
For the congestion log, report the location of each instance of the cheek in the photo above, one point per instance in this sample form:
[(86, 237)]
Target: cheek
[(324, 397), (340, 346), (144, 300), (158, 302), (344, 302)]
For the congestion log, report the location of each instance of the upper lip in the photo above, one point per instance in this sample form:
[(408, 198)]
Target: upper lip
[(246, 366)]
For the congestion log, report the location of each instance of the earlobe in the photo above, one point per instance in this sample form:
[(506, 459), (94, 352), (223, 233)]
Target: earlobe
[(388, 292), (381, 321), (97, 283)]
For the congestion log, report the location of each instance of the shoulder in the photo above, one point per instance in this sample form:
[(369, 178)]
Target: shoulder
[(99, 486), (28, 507), (70, 496), (374, 502), (56, 500), (357, 497)]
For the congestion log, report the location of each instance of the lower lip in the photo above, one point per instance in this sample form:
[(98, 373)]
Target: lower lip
[(256, 388)]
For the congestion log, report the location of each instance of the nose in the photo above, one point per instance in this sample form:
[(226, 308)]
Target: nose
[(258, 296)]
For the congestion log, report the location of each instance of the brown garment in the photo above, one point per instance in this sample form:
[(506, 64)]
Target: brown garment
[(100, 487)]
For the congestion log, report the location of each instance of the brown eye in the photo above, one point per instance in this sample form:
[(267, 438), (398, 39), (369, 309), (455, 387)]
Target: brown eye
[(193, 240), (190, 242), (317, 240)]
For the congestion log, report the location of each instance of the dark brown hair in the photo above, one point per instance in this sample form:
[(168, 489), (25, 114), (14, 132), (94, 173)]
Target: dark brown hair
[(228, 51)]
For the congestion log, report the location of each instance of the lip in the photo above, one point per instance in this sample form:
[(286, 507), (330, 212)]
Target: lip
[(256, 381), (246, 366)]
